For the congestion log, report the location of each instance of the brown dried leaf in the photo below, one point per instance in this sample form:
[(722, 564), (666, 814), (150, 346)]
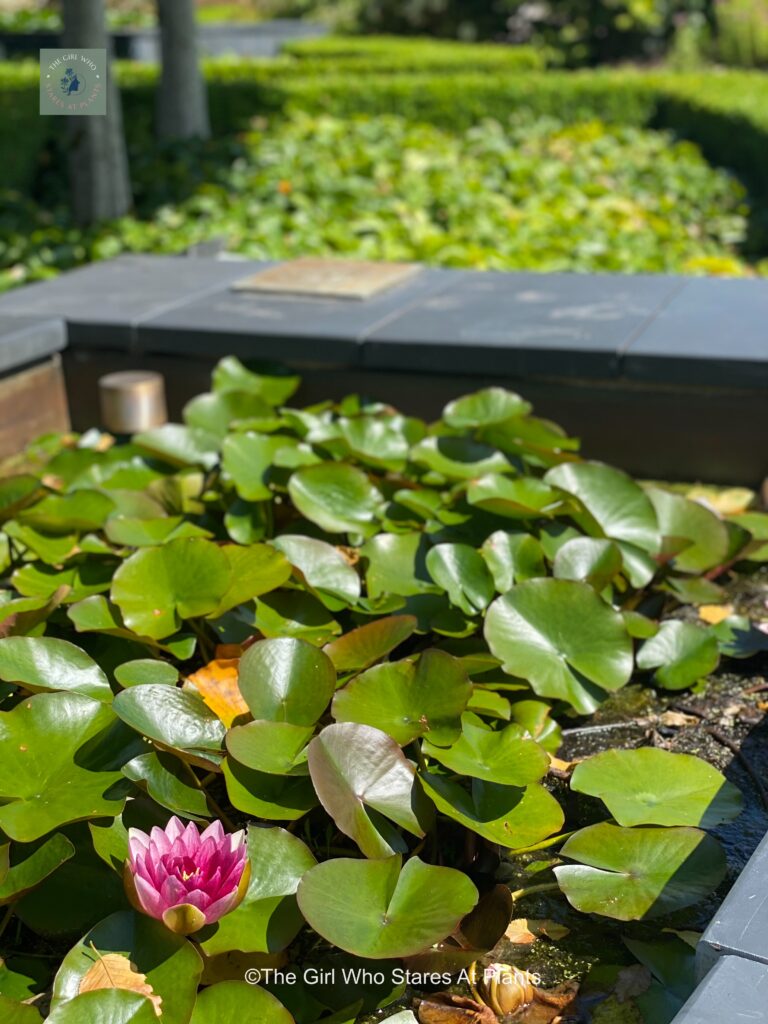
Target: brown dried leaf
[(523, 931), (677, 719), (445, 1008), (113, 970), (216, 683), (714, 613)]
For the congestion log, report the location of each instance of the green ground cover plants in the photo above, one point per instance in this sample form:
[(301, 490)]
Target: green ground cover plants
[(357, 636)]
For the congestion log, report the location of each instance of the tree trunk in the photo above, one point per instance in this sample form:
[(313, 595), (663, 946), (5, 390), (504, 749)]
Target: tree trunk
[(182, 100), (100, 181)]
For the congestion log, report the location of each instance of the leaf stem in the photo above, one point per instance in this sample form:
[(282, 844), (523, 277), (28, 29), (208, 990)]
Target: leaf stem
[(215, 807), (552, 841), (416, 748), (6, 918), (518, 894)]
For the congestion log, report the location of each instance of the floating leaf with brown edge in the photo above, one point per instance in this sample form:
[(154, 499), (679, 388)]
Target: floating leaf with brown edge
[(361, 647), (397, 911)]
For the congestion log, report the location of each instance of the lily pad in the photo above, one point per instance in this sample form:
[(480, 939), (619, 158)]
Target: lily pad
[(33, 866), (163, 777), (681, 653), (268, 919), (656, 787), (272, 747), (397, 565), (619, 507), (482, 408), (353, 768), (513, 558), (324, 568), (294, 613), (562, 638), (337, 497), (215, 413), (632, 874), (460, 570), (58, 764), (247, 459), (459, 458), (105, 1006), (512, 816), (273, 797), (505, 756), (519, 498), (45, 663), (702, 536), (146, 670), (180, 446), (174, 718), (170, 962), (158, 587), (232, 1002), (365, 645), (286, 680), (254, 570), (407, 699), (396, 912), (275, 385), (77, 512), (590, 559)]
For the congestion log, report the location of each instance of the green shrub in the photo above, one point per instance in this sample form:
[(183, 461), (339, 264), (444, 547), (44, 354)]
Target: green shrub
[(742, 32)]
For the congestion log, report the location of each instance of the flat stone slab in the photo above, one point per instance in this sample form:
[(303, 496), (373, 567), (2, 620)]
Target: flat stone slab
[(104, 303), (263, 325), (329, 278), (734, 992), (27, 339), (740, 926), (713, 331), (558, 325)]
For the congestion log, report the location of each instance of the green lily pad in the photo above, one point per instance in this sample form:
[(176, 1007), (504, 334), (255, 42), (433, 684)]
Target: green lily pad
[(158, 587), (146, 670), (513, 558), (515, 498), (459, 458), (105, 1006), (408, 699), (273, 797), (170, 962), (512, 816), (180, 446), (96, 614), (482, 408), (286, 680), (58, 764), (130, 531), (562, 638), (397, 565), (631, 874), (355, 767), (272, 747), (323, 567), (215, 413), (702, 536), (247, 458), (232, 1002), (176, 719), (45, 663), (275, 385), (336, 497), (756, 523), (365, 645), (76, 512), (294, 613), (85, 577), (395, 913), (35, 865), (254, 570), (595, 561), (506, 756), (460, 570), (268, 919), (656, 787), (165, 780), (22, 977), (617, 505), (377, 442), (681, 653), (16, 492)]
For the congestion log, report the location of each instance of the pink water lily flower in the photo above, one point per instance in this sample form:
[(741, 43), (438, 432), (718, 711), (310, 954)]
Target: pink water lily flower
[(184, 878)]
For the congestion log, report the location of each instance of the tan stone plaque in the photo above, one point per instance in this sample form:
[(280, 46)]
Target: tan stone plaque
[(328, 278)]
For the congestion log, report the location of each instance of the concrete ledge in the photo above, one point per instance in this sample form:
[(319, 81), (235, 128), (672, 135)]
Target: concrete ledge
[(26, 339), (734, 992), (740, 927)]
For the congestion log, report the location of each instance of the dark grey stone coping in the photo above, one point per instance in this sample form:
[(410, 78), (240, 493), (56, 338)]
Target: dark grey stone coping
[(27, 339), (740, 926), (627, 329), (734, 992)]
